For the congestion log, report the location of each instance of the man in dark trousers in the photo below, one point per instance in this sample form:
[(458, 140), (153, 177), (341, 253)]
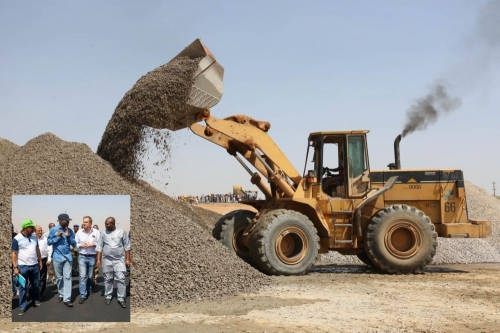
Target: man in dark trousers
[(27, 262), (86, 239), (44, 251)]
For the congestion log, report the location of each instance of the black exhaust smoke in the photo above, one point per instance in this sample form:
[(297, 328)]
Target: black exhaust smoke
[(479, 59), (428, 109)]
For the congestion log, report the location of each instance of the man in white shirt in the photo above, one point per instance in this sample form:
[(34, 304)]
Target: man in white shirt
[(51, 225), (44, 251), (50, 268), (86, 239)]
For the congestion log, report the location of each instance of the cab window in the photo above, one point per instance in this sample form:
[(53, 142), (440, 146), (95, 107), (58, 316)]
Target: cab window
[(356, 155)]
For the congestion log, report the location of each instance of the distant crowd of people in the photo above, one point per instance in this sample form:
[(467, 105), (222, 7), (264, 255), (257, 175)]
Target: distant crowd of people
[(217, 198), (56, 255)]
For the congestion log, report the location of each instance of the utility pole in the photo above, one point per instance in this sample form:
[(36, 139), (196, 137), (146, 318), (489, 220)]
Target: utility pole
[(494, 189)]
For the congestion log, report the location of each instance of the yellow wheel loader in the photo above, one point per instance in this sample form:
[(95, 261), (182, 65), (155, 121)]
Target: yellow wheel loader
[(390, 219)]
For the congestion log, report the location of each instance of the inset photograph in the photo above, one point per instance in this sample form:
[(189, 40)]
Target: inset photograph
[(70, 258)]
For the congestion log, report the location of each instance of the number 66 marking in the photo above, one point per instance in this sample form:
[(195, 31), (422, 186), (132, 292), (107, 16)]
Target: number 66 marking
[(449, 207)]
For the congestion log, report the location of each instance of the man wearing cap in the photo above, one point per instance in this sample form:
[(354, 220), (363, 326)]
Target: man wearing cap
[(61, 238), (113, 248), (27, 261), (86, 239)]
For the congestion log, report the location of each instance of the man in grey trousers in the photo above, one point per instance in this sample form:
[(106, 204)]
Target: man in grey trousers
[(113, 256)]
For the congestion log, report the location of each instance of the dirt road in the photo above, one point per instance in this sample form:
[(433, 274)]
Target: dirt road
[(452, 298), (224, 208)]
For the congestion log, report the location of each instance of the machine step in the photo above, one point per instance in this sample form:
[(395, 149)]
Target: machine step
[(343, 241)]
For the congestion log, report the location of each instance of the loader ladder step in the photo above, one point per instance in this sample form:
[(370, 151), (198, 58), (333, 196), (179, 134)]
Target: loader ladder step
[(343, 225), (343, 241)]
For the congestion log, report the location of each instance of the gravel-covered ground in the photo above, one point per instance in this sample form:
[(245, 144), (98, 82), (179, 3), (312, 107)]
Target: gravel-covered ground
[(173, 258)]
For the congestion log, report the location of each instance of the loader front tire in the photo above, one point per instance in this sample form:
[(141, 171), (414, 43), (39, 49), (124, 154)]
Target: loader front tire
[(401, 239), (229, 231), (284, 242)]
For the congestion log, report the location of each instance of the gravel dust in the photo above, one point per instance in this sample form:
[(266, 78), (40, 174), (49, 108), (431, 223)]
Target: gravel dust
[(152, 104)]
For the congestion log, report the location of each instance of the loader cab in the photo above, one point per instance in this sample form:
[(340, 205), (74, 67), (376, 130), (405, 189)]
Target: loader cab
[(340, 162)]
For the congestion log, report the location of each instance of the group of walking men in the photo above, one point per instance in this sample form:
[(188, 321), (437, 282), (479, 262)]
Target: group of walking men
[(31, 253)]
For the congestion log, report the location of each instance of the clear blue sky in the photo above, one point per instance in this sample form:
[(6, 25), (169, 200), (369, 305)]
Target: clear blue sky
[(304, 66), (44, 209)]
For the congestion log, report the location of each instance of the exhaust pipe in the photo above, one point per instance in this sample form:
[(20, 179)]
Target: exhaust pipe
[(396, 152), (397, 161)]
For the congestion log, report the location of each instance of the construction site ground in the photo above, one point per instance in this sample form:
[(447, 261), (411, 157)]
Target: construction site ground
[(451, 298), (332, 298)]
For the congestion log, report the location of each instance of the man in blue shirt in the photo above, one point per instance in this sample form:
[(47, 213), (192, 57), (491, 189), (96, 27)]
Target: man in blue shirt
[(61, 237)]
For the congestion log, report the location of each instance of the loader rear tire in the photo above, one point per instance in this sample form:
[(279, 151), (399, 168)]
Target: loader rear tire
[(284, 242), (401, 239), (365, 259), (229, 230)]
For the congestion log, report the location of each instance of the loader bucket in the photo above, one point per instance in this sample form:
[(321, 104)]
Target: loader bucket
[(206, 90)]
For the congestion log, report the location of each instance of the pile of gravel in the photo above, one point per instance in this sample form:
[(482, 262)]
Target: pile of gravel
[(481, 206), (7, 148), (173, 258), (203, 217), (154, 102)]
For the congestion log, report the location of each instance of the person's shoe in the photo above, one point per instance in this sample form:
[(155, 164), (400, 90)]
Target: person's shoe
[(21, 312), (68, 304), (122, 304), (82, 300), (37, 303), (89, 293), (108, 301), (60, 299)]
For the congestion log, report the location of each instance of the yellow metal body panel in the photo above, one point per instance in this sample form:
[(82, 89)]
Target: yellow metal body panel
[(443, 201), (475, 229), (431, 199), (338, 132), (332, 217), (255, 137)]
